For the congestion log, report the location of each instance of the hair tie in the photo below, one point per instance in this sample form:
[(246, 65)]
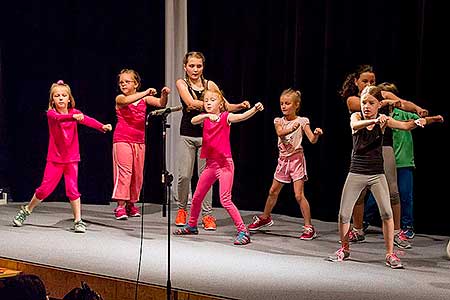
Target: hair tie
[(60, 82)]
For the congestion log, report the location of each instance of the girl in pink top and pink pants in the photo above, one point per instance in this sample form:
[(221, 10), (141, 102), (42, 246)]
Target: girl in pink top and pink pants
[(63, 153), (129, 141), (216, 150)]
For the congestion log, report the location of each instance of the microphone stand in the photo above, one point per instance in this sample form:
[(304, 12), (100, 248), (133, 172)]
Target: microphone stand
[(166, 180)]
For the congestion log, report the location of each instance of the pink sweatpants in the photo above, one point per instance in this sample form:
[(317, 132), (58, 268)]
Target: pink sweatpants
[(223, 170), (52, 175), (128, 166)]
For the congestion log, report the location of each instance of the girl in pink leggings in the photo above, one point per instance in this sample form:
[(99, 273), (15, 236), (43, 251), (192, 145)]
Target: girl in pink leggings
[(216, 150), (63, 153)]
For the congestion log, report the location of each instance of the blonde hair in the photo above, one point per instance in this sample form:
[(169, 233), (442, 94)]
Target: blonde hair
[(372, 90), (223, 105), (389, 87), (60, 83), (295, 95), (133, 73)]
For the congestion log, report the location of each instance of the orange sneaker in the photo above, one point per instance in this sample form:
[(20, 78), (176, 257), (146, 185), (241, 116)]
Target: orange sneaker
[(180, 220), (209, 222)]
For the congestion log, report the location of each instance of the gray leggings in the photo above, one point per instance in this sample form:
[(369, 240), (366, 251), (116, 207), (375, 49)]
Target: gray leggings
[(189, 148), (390, 170), (355, 185)]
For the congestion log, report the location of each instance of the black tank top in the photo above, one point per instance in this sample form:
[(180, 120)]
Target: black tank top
[(367, 154), (186, 127)]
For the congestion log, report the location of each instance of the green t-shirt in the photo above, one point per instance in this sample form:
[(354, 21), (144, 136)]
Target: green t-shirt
[(403, 140)]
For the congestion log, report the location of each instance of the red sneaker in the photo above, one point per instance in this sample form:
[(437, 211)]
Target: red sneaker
[(309, 233), (133, 210), (121, 213), (209, 222), (259, 223), (180, 220)]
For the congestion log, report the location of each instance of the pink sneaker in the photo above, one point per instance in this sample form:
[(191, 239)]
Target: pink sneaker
[(133, 210), (309, 233), (121, 213), (259, 223)]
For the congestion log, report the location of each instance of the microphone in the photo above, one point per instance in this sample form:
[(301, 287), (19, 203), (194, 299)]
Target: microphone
[(166, 110)]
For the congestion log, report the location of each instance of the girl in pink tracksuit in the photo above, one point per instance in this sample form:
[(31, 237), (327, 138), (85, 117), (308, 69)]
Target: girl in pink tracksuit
[(216, 150), (63, 153), (129, 141)]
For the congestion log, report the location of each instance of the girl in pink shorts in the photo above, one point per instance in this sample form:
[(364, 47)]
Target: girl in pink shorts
[(291, 162)]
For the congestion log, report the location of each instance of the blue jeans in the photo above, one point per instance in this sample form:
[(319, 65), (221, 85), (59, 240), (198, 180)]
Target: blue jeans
[(405, 188)]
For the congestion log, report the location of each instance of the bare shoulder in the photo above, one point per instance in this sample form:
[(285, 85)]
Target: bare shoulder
[(180, 83)]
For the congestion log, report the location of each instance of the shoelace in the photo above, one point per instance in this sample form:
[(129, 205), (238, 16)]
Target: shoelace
[(395, 255), (242, 237), (21, 216), (340, 254), (402, 236), (308, 229)]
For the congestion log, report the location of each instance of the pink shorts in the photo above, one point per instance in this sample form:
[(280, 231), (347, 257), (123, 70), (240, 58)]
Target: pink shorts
[(291, 168)]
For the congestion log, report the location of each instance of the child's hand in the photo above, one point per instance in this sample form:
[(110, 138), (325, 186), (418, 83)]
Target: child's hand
[(318, 131), (213, 117), (295, 126), (259, 107), (381, 119), (245, 104), (151, 92), (421, 122), (422, 112), (78, 117), (107, 127), (165, 91)]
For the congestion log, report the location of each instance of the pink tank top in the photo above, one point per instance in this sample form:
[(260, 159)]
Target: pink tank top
[(216, 138), (130, 126)]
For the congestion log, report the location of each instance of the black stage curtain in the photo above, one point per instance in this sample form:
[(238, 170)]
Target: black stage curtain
[(255, 49), (85, 44)]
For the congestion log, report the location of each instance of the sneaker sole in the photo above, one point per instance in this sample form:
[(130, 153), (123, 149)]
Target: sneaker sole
[(394, 267), (334, 259), (180, 224), (134, 216), (309, 239), (402, 247), (122, 217), (209, 228), (17, 224), (262, 226)]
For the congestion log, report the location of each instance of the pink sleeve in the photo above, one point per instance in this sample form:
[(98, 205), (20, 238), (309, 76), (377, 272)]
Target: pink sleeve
[(53, 115), (91, 122)]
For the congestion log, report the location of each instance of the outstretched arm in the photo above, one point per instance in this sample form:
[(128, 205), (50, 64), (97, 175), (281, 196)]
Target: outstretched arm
[(357, 122), (405, 104), (313, 137), (186, 97), (234, 118), (122, 100), (158, 102), (231, 107), (434, 119), (198, 119)]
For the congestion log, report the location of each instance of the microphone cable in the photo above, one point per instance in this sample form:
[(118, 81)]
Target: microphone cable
[(142, 198)]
